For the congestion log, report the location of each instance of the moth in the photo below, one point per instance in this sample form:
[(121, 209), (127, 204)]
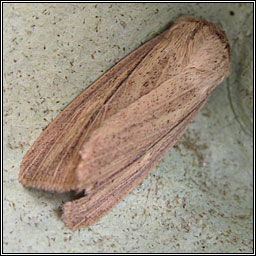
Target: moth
[(112, 135)]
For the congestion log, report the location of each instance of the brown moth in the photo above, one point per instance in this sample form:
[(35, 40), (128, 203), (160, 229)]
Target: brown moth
[(112, 135)]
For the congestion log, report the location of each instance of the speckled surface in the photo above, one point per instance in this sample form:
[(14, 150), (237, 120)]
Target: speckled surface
[(198, 199)]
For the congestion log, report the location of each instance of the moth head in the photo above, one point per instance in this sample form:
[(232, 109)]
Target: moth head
[(206, 46)]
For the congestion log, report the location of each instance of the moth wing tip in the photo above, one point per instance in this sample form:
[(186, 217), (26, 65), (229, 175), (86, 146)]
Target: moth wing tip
[(70, 219)]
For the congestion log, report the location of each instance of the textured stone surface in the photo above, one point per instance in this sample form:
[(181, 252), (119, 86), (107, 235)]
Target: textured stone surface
[(198, 199)]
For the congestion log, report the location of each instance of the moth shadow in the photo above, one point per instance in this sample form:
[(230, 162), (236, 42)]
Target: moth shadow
[(54, 200)]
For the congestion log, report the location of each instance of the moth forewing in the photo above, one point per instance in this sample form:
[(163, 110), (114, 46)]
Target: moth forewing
[(87, 210), (51, 162)]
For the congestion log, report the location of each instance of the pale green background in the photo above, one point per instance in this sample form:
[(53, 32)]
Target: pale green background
[(198, 199)]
